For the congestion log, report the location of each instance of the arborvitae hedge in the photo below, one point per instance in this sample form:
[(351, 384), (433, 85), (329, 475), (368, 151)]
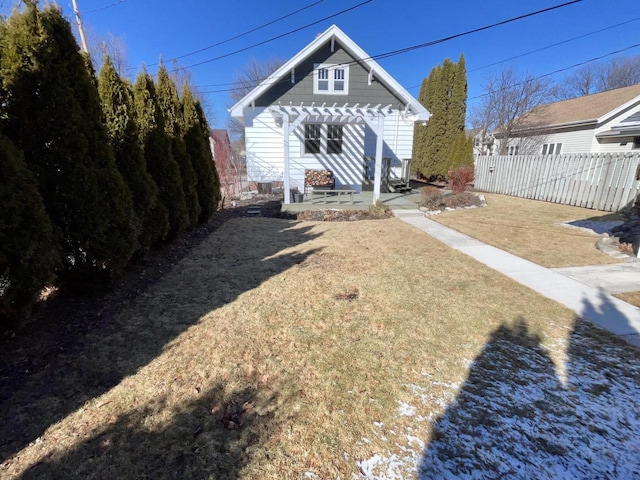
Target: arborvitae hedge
[(444, 94), (158, 153), (53, 115), (117, 105), (204, 126), (196, 139), (29, 252), (173, 125)]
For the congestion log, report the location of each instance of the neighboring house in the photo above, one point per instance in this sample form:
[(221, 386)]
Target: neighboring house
[(220, 146), (599, 123), (330, 107), (482, 141)]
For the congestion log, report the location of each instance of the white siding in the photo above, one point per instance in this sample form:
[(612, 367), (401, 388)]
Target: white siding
[(346, 167), (398, 141), (263, 143), (572, 142), (576, 141), (265, 156)]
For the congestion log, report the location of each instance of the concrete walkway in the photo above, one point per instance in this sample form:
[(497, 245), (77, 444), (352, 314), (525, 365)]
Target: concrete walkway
[(570, 287)]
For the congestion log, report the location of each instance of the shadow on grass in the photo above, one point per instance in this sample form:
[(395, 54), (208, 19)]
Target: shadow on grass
[(44, 381), (214, 436), (517, 416)]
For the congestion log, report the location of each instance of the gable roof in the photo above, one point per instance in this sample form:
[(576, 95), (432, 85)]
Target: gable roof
[(333, 32), (593, 108), (219, 135)]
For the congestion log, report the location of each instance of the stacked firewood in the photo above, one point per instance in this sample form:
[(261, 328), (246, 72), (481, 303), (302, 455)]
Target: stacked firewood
[(318, 178)]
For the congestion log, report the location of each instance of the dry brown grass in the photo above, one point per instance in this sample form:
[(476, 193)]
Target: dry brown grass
[(529, 229), (272, 348), (630, 297)]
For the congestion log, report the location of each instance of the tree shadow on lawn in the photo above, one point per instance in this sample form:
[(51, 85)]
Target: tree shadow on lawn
[(85, 357), (214, 436), (517, 417)]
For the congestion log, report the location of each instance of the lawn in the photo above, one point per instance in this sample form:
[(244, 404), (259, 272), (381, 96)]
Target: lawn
[(532, 229), (284, 349)]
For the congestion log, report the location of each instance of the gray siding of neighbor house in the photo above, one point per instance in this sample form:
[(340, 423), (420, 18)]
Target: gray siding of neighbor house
[(302, 91)]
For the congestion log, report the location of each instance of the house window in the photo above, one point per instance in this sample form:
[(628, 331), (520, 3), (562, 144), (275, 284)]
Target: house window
[(513, 150), (331, 79), (323, 80), (323, 138), (334, 138), (312, 138), (636, 142), (552, 149)]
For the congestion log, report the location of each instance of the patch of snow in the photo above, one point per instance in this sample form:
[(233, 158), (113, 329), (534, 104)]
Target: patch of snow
[(406, 410), (517, 416)]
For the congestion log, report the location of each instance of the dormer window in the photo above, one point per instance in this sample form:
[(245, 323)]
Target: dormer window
[(331, 79)]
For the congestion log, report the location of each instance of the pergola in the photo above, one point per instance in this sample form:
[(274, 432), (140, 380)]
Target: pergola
[(292, 117)]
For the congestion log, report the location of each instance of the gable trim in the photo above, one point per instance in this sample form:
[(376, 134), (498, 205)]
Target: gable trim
[(332, 33)]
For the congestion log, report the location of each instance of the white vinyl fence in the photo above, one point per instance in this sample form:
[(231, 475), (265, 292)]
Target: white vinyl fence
[(600, 181)]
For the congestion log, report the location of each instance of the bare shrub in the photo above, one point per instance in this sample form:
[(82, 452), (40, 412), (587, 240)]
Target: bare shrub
[(459, 178), (462, 199), (432, 197)]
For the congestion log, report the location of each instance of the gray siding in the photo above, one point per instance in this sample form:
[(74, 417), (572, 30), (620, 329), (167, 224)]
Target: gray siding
[(302, 91)]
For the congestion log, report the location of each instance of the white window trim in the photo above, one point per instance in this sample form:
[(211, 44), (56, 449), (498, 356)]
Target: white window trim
[(555, 148), (331, 68)]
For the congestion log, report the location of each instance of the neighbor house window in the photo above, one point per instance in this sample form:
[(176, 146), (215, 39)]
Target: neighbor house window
[(636, 142), (552, 149), (334, 138), (513, 150), (312, 138), (331, 79)]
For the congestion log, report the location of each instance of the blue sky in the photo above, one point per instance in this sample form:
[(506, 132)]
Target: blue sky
[(154, 28)]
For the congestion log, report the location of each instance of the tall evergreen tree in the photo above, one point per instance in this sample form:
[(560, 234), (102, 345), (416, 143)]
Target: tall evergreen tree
[(158, 153), (119, 115), (173, 125), (204, 127), (29, 253), (54, 117), (444, 94), (197, 143)]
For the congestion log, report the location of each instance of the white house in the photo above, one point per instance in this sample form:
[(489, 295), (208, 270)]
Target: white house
[(599, 123), (330, 107)]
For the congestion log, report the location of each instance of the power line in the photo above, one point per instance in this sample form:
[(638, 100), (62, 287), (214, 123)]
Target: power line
[(421, 45), (469, 32), (558, 71), (286, 34), (553, 45), (235, 37), (105, 7)]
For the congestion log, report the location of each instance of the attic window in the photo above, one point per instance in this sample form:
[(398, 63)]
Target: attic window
[(331, 79)]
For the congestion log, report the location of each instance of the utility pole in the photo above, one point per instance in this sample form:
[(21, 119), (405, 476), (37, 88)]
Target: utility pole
[(83, 39)]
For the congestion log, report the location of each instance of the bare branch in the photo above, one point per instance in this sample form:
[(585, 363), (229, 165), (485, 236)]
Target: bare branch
[(504, 108)]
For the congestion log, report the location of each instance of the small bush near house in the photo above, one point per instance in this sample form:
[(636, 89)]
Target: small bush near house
[(432, 197), (462, 199), (379, 209), (459, 178)]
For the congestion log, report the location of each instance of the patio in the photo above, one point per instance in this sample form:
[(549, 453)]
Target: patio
[(361, 201)]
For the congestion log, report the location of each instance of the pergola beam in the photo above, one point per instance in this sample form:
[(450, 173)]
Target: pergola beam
[(293, 116)]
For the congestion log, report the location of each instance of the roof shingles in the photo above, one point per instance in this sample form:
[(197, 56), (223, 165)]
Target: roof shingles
[(581, 109)]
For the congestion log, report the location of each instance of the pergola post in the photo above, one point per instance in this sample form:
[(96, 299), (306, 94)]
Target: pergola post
[(377, 178), (285, 142)]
